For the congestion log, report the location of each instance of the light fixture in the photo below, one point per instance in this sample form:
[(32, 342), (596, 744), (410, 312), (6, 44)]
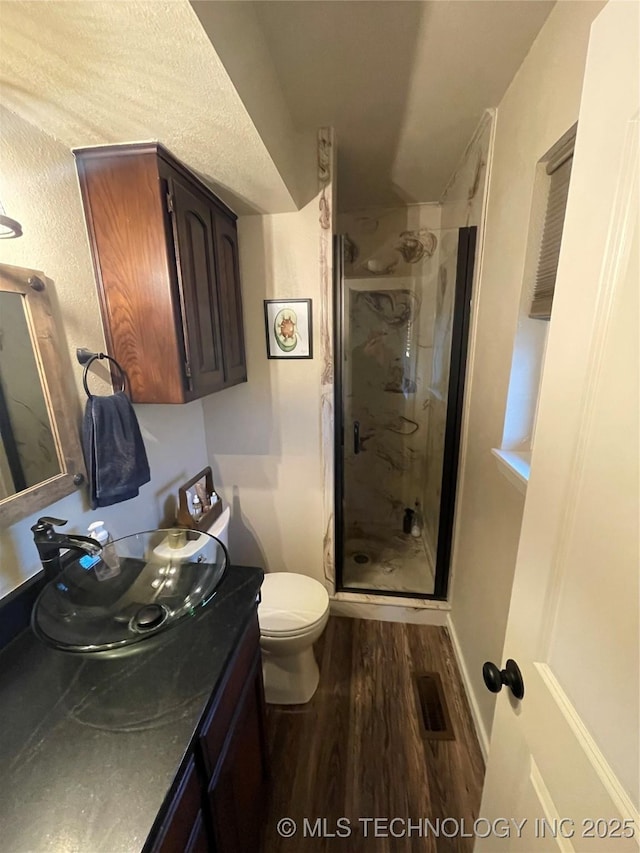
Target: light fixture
[(8, 227)]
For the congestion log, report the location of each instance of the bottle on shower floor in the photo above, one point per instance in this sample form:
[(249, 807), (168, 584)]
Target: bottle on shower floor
[(416, 523), (407, 521)]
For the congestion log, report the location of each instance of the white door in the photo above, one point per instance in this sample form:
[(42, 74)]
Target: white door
[(566, 758)]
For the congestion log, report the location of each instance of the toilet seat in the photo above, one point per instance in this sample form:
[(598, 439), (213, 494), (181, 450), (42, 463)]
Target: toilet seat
[(290, 632), (291, 604)]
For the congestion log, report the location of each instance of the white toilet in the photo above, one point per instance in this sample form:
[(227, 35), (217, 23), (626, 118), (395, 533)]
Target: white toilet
[(293, 613)]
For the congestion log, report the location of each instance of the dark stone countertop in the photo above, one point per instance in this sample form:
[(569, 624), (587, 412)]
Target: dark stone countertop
[(89, 748)]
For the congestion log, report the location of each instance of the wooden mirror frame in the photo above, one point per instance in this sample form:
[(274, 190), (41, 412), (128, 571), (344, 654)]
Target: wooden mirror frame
[(31, 284)]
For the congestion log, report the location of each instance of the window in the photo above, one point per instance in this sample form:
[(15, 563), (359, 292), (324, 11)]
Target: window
[(546, 223), (558, 169)]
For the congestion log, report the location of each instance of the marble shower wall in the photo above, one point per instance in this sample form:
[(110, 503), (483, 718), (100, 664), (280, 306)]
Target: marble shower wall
[(438, 386), (400, 270), (463, 201), (390, 302), (397, 241), (463, 205), (326, 164)]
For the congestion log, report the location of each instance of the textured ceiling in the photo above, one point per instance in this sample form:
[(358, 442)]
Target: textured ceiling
[(236, 89), (403, 83), (100, 72)]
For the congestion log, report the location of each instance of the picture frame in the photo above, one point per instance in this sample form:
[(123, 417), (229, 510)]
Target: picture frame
[(288, 328)]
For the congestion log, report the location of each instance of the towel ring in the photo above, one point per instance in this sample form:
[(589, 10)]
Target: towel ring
[(87, 358)]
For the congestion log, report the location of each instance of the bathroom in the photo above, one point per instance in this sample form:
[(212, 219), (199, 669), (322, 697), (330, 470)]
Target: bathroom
[(295, 176)]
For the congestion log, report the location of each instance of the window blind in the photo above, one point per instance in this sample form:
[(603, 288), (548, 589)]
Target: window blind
[(559, 170)]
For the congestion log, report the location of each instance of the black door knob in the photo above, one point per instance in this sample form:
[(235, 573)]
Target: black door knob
[(494, 678)]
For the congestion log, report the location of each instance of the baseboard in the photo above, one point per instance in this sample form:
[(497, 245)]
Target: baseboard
[(388, 609), (483, 737)]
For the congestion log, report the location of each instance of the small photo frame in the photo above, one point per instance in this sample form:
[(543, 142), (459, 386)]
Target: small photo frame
[(288, 328)]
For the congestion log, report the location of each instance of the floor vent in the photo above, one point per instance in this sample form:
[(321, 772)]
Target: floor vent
[(361, 558), (432, 707)]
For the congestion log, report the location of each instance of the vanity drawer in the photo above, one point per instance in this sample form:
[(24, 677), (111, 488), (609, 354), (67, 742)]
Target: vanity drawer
[(217, 725)]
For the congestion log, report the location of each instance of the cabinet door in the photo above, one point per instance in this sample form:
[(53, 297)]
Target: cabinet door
[(215, 729), (198, 841), (182, 828), (232, 326), (198, 285), (238, 792)]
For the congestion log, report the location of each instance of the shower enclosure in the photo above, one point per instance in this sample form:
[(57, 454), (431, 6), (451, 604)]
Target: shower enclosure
[(402, 318)]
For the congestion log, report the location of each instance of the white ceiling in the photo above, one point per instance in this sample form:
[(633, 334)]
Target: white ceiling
[(403, 83)]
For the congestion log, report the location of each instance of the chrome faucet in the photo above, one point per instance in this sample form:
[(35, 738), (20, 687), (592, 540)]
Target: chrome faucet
[(50, 543)]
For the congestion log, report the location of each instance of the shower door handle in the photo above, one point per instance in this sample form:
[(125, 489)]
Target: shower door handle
[(356, 437)]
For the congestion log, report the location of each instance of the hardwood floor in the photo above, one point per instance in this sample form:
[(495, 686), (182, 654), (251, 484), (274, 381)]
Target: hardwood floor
[(357, 749)]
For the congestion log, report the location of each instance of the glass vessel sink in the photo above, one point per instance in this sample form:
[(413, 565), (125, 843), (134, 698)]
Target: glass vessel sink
[(136, 589)]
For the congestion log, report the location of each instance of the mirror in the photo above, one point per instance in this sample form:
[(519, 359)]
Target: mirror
[(28, 454), (40, 454)]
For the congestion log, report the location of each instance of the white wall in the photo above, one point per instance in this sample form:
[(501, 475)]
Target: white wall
[(38, 187), (540, 105), (264, 436)]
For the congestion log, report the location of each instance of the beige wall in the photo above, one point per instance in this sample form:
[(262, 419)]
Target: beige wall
[(101, 72), (235, 32), (264, 436), (39, 188), (541, 103)]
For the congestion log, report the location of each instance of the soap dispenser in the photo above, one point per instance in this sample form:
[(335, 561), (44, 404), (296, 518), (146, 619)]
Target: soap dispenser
[(108, 565), (99, 532)]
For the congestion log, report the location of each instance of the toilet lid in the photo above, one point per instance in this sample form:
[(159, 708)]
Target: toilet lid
[(290, 602)]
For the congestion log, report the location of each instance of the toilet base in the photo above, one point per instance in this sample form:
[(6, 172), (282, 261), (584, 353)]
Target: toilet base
[(290, 679)]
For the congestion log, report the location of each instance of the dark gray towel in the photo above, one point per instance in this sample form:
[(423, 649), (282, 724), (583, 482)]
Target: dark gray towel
[(114, 451)]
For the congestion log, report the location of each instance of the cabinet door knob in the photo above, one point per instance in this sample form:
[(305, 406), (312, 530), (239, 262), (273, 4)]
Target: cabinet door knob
[(494, 678)]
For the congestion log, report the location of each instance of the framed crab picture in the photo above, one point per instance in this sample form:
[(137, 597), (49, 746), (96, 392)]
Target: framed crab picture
[(288, 328)]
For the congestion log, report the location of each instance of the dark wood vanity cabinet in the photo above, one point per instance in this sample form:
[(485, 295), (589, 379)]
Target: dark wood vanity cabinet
[(184, 827), (220, 798), (165, 254)]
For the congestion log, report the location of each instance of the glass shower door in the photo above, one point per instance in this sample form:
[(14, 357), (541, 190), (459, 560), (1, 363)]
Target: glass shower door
[(400, 339)]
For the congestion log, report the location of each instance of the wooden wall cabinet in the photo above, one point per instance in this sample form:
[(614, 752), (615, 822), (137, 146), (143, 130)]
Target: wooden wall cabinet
[(165, 254), (220, 799)]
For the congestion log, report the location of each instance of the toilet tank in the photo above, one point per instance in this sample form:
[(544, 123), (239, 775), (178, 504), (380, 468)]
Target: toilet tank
[(220, 528)]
